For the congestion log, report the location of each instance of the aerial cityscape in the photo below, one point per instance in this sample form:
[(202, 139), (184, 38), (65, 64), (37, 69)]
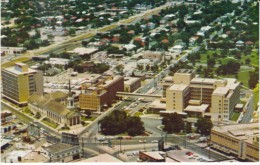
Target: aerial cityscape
[(129, 81)]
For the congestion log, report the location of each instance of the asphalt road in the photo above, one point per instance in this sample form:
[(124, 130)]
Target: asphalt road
[(151, 124)]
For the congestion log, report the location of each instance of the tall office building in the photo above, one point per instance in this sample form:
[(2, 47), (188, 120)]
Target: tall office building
[(194, 96), (20, 82)]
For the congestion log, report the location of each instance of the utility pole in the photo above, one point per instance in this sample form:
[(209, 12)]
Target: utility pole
[(120, 145)]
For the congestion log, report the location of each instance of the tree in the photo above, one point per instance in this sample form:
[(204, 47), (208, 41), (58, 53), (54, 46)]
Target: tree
[(114, 123), (188, 128), (211, 62), (72, 31), (118, 122), (119, 68), (88, 113), (204, 126), (38, 115), (253, 78), (248, 61), (135, 126), (173, 123)]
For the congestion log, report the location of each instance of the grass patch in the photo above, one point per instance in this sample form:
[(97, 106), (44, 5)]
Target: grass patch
[(49, 123), (253, 57), (235, 116), (137, 114), (64, 128), (243, 76), (88, 119), (27, 111)]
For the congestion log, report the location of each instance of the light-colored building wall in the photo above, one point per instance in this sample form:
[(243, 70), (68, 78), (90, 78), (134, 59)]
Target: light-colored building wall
[(222, 95), (183, 76), (238, 140), (131, 84), (177, 97), (19, 82)]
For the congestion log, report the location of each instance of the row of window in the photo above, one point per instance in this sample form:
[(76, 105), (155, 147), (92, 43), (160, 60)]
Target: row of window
[(252, 157)]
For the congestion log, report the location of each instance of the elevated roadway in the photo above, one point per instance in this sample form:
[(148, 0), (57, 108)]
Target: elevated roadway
[(138, 95)]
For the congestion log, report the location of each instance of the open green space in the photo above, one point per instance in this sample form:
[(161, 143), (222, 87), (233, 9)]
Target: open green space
[(254, 58), (138, 114), (49, 123), (27, 111), (235, 116)]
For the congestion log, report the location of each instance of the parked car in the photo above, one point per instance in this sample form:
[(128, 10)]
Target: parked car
[(154, 141)]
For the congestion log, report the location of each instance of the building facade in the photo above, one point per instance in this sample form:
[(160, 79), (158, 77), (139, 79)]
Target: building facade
[(131, 84), (241, 140), (189, 94), (20, 82), (61, 152), (53, 110), (101, 94)]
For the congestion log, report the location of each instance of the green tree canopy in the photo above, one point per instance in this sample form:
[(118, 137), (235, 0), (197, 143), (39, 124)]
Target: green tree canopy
[(173, 123), (118, 122), (204, 126)]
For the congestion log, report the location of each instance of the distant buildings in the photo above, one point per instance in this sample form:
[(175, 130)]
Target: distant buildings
[(100, 94), (197, 97), (144, 63), (20, 82), (241, 140), (12, 50)]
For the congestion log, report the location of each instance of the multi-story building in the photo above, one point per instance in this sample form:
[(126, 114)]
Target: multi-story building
[(101, 94), (20, 82), (166, 83), (131, 84), (195, 96), (61, 152), (241, 140)]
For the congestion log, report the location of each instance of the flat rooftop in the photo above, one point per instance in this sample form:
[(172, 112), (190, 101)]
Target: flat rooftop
[(83, 50), (155, 155), (239, 131), (15, 70), (168, 79), (130, 80), (157, 104), (101, 158), (178, 87), (203, 80), (194, 108)]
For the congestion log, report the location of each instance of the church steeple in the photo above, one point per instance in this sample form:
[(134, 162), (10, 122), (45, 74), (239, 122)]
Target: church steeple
[(70, 99)]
